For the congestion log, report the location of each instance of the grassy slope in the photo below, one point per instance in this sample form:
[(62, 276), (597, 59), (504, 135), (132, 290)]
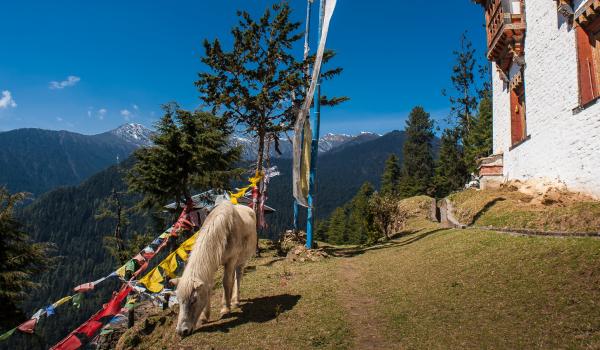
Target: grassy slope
[(512, 209), (434, 288)]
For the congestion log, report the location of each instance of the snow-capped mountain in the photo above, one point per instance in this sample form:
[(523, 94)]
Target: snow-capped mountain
[(328, 143), (136, 134)]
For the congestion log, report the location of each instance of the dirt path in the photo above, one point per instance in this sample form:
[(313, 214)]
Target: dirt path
[(362, 316)]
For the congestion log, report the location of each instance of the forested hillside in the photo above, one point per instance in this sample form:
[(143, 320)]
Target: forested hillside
[(340, 174), (36, 160), (65, 217)]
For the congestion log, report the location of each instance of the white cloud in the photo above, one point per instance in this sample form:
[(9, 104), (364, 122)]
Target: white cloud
[(102, 113), (126, 114), (70, 81), (59, 119), (136, 107), (6, 101)]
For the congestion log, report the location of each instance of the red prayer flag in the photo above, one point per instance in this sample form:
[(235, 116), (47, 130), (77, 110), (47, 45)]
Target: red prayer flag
[(94, 324), (28, 326)]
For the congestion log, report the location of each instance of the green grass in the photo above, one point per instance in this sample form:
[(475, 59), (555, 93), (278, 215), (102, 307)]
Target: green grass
[(477, 289), (431, 289), (512, 209), (288, 306)]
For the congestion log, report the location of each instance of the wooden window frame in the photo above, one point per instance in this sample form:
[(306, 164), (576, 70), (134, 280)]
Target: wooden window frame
[(588, 62), (518, 116)]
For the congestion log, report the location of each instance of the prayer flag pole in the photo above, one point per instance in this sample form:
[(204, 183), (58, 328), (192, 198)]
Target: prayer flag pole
[(307, 70), (314, 151)]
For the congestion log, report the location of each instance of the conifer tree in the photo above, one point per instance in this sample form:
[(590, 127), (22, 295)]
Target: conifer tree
[(337, 227), (479, 141), (418, 165), (360, 219), (391, 176), (464, 99), (451, 171), (190, 152), (20, 260), (321, 231), (259, 84)]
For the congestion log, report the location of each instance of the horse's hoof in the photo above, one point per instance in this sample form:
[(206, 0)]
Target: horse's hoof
[(225, 311)]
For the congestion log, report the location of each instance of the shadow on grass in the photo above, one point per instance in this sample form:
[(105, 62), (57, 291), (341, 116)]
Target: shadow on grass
[(485, 208), (351, 252), (257, 310)]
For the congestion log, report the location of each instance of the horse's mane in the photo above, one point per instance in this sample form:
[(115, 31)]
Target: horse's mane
[(205, 257)]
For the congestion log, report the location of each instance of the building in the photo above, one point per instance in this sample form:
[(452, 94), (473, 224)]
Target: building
[(545, 57)]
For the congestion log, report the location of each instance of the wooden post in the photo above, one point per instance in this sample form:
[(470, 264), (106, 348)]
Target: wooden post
[(166, 302), (130, 317)]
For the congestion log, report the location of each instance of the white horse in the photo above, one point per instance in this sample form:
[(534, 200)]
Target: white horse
[(228, 237)]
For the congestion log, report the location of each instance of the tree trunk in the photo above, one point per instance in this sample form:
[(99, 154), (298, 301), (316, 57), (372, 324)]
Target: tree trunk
[(261, 151), (259, 168)]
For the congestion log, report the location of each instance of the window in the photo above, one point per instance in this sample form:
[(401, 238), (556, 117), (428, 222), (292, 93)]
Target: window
[(588, 57), (518, 126)]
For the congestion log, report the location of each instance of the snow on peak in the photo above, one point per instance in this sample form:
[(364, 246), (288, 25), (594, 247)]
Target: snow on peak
[(134, 133)]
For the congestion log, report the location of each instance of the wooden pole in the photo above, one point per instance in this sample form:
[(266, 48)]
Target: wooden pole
[(130, 317), (166, 302)]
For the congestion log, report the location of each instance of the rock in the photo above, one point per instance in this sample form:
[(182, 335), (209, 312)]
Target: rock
[(301, 254)]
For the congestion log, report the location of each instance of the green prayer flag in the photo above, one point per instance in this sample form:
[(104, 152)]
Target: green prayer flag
[(7, 335), (77, 298), (130, 266)]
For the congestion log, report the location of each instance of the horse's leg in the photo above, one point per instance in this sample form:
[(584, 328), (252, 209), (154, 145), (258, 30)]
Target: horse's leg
[(228, 277), (235, 299), (205, 315)]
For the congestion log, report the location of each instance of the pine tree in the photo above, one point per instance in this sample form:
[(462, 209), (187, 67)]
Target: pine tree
[(321, 231), (464, 100), (259, 84), (418, 165), (20, 259), (451, 172), (190, 152), (391, 175), (479, 140), (360, 219), (337, 226)]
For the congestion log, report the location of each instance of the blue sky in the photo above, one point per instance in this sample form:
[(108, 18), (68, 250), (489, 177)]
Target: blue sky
[(91, 66)]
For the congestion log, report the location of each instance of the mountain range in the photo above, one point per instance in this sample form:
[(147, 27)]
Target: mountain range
[(327, 143), (36, 160)]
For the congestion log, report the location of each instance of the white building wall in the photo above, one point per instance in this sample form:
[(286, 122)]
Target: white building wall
[(564, 145), (501, 127)]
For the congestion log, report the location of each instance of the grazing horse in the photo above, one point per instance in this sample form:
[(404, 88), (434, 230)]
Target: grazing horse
[(228, 237)]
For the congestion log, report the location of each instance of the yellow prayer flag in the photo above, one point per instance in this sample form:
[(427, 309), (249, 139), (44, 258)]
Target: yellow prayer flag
[(62, 301), (169, 265), (121, 271), (153, 281)]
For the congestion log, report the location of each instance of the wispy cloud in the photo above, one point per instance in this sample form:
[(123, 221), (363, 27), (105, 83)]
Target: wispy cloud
[(6, 101), (70, 81), (102, 113), (59, 119), (126, 114)]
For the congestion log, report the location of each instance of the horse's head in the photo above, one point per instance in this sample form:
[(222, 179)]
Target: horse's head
[(192, 296)]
